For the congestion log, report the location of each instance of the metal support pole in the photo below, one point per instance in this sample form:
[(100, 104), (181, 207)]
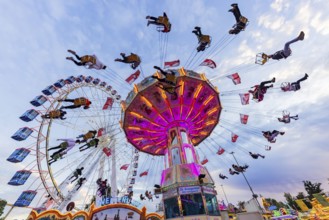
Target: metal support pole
[(224, 194), (11, 209), (253, 194)]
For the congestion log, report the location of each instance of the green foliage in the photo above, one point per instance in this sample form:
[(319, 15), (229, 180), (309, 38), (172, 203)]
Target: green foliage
[(3, 204), (275, 203), (300, 195), (241, 206), (312, 188), (290, 200)]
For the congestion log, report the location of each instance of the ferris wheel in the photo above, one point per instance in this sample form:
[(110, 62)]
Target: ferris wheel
[(68, 165)]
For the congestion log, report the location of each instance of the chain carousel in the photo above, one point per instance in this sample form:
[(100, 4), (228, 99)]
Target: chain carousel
[(171, 125)]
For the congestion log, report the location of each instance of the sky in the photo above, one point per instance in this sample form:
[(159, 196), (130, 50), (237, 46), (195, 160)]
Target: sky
[(35, 36)]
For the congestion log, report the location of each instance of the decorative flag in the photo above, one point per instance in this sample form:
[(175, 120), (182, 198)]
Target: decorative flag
[(244, 98), (100, 132), (209, 63), (124, 167), (234, 137), (220, 151), (235, 78), (244, 118), (144, 173), (204, 161), (108, 103), (107, 151), (133, 77), (171, 64)]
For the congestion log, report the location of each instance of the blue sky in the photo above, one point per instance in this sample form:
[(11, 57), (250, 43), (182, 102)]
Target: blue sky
[(35, 36)]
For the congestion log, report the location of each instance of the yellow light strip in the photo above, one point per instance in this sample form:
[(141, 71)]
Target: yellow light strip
[(210, 122), (165, 98), (182, 72), (136, 115), (123, 105), (181, 92), (181, 89), (135, 89), (147, 146), (196, 129), (141, 116), (160, 148), (148, 103), (203, 76), (208, 99), (196, 94), (212, 111), (163, 94), (134, 128)]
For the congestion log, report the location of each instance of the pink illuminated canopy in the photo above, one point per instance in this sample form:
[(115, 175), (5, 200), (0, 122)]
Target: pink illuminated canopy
[(149, 112)]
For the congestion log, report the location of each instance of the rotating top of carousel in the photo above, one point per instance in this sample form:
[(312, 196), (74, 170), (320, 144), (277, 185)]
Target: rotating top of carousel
[(149, 111)]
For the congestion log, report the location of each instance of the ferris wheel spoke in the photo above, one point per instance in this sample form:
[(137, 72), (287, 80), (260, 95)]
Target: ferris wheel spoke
[(55, 178)]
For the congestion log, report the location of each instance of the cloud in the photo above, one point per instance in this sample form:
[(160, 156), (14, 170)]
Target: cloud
[(279, 5), (273, 22)]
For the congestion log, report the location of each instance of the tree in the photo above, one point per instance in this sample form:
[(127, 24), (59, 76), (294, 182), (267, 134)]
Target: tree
[(300, 195), (312, 188), (273, 202), (290, 200), (3, 204), (241, 206)]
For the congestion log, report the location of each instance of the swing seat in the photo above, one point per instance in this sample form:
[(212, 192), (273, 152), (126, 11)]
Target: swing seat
[(243, 20), (204, 42), (88, 59), (164, 23), (205, 39), (261, 58), (285, 86), (239, 26), (133, 58), (162, 20)]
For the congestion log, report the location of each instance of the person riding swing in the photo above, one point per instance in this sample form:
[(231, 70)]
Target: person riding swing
[(133, 59), (160, 21), (204, 40)]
